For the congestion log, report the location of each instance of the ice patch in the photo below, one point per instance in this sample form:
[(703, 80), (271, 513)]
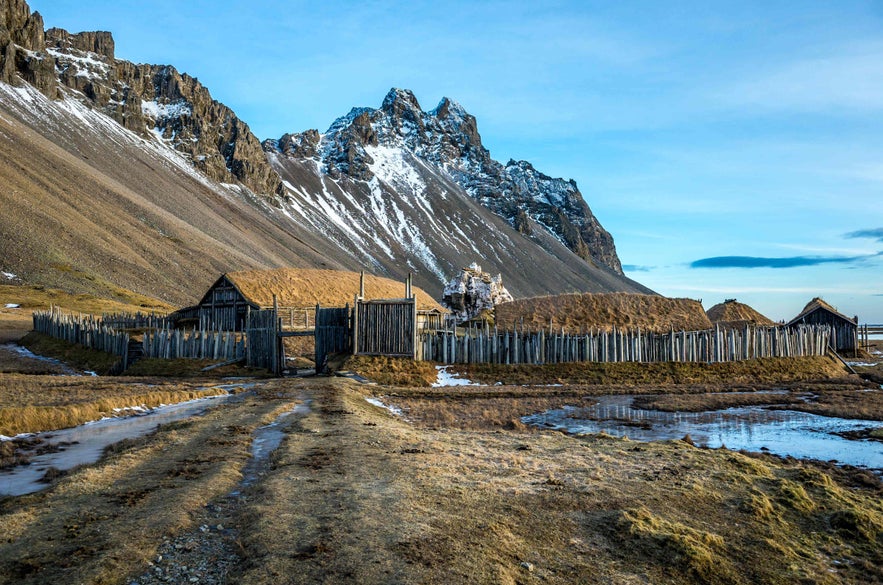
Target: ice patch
[(446, 379), (393, 409)]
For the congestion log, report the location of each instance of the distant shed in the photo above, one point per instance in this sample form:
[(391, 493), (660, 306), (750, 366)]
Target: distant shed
[(226, 303), (732, 314), (818, 312)]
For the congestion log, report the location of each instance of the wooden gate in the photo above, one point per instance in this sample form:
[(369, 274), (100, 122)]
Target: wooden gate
[(264, 348), (385, 327), (333, 334)]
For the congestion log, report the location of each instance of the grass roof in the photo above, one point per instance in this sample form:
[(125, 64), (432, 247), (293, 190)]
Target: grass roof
[(816, 304), (732, 313), (304, 287), (580, 311)]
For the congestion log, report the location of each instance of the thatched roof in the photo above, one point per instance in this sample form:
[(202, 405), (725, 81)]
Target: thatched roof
[(304, 287), (580, 311), (815, 305), (731, 313)]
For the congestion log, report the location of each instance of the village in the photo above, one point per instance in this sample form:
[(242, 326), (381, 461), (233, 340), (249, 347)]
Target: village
[(248, 316), (296, 393)]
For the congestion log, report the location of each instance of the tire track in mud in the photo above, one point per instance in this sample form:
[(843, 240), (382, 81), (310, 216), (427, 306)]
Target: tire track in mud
[(207, 554)]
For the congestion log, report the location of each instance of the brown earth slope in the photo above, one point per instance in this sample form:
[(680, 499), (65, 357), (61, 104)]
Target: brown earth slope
[(88, 206)]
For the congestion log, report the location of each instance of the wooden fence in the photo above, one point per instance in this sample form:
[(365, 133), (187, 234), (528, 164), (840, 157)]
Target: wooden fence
[(485, 345), (86, 330), (385, 327), (135, 321), (194, 344)]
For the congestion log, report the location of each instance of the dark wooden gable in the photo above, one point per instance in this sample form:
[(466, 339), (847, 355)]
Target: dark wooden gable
[(817, 312), (224, 307)]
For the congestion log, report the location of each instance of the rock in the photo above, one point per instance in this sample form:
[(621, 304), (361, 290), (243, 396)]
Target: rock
[(527, 566), (474, 293)]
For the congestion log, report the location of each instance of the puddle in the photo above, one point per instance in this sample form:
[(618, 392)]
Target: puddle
[(783, 432), (85, 444), (266, 439)]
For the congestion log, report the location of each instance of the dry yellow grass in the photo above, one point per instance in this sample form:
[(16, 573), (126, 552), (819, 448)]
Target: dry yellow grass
[(40, 297), (30, 404), (392, 371), (357, 495), (305, 287), (455, 506), (74, 355), (577, 312), (749, 372)]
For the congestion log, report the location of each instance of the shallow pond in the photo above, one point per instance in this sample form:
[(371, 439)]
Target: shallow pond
[(783, 432), (85, 443)]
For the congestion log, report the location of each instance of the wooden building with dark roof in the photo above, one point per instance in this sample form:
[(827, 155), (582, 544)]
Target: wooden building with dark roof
[(818, 312), (226, 304)]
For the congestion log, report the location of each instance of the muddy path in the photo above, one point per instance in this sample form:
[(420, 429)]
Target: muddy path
[(104, 523), (356, 494)]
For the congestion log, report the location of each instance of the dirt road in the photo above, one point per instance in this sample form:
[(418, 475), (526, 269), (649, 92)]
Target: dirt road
[(355, 494)]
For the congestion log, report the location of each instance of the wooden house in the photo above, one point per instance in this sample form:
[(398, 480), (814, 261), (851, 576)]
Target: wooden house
[(227, 302), (818, 312)]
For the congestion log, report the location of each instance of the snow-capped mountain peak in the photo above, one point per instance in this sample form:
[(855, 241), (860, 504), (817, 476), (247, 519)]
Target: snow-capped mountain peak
[(447, 138)]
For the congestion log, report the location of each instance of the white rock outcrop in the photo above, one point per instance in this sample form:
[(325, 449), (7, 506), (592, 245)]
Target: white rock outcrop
[(473, 292)]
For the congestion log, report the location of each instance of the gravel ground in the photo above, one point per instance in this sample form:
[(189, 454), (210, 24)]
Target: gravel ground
[(205, 555)]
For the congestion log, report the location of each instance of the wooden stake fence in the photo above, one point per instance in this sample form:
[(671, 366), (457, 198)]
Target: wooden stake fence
[(485, 345), (195, 344), (85, 330)]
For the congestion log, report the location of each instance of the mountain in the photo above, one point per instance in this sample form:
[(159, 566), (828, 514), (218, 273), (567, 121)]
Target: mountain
[(121, 175), (447, 139)]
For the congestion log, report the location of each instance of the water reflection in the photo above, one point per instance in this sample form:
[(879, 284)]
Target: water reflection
[(755, 428), (85, 443)]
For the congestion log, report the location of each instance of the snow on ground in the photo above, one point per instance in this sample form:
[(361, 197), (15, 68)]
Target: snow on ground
[(393, 409), (12, 306), (446, 379), (9, 275)]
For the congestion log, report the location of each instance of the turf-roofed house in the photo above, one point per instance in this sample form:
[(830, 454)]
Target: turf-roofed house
[(295, 291), (818, 312)]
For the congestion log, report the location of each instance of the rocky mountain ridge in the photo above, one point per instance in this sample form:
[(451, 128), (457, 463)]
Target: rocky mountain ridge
[(447, 137), (155, 99), (393, 190)]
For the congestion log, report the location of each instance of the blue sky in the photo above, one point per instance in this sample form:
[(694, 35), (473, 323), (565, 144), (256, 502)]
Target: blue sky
[(733, 149)]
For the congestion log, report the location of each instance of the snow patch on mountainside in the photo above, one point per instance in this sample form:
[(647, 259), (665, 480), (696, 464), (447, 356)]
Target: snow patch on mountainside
[(71, 117), (159, 111)]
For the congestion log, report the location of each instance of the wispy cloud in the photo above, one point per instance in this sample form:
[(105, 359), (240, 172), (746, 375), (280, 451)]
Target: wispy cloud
[(848, 80), (761, 262), (875, 234), (636, 268)]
